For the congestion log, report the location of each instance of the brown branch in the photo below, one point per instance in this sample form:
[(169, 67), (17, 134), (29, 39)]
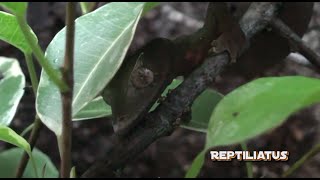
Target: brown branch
[(296, 41), (163, 121), (67, 72)]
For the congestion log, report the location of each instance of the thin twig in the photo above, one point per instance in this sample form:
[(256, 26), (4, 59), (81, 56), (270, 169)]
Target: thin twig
[(32, 72), (315, 150), (67, 72), (163, 120), (27, 129), (296, 41)]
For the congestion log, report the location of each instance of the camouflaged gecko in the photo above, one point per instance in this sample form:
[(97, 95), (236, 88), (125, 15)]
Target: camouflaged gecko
[(144, 75)]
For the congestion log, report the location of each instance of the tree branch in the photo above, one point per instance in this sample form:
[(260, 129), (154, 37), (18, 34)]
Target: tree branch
[(67, 72), (164, 119), (296, 41)]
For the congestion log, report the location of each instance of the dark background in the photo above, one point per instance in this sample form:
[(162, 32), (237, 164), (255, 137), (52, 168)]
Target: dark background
[(171, 156)]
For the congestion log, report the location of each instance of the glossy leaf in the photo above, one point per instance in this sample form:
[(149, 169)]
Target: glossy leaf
[(87, 7), (95, 109), (11, 33), (17, 8), (257, 107), (73, 172), (102, 39), (10, 159), (9, 136), (12, 85), (202, 109)]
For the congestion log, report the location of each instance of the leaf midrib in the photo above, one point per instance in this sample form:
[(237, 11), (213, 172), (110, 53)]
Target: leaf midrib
[(100, 60)]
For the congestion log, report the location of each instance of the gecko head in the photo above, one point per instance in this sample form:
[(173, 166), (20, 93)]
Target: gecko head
[(138, 84), (142, 77)]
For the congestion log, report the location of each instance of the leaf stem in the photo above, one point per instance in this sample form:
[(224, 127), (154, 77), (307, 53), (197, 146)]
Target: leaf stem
[(32, 72), (37, 124), (248, 163), (52, 73), (26, 130), (302, 160), (67, 73)]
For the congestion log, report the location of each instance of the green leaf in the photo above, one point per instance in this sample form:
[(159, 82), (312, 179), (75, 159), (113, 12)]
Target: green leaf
[(9, 136), (10, 159), (11, 33), (11, 88), (73, 172), (102, 39), (97, 108), (87, 7), (148, 6), (202, 109), (258, 106), (17, 8)]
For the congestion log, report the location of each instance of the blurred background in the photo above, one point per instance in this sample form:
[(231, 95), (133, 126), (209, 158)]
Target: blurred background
[(171, 156)]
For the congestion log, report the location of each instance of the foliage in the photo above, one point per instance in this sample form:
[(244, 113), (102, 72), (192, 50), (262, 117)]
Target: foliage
[(102, 39)]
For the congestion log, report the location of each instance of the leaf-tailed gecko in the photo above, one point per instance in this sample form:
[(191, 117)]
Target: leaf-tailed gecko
[(144, 75)]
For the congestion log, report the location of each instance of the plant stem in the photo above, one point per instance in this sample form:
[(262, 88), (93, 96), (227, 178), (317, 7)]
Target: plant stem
[(37, 124), (26, 130), (32, 141), (32, 72), (67, 73), (52, 73), (248, 163), (285, 31), (301, 161)]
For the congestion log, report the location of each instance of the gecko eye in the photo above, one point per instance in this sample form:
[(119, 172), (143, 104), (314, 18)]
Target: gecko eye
[(142, 77)]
